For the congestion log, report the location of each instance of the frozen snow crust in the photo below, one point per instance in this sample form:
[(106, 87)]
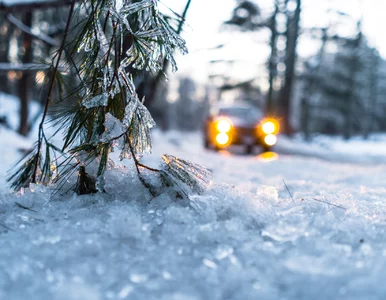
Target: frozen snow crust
[(244, 242), (244, 238)]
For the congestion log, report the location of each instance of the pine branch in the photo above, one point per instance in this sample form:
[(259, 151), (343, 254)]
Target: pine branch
[(45, 38), (51, 86), (101, 108)]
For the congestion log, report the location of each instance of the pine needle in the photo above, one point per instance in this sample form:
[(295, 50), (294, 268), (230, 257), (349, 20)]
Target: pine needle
[(329, 203), (289, 192), (24, 207), (6, 227)]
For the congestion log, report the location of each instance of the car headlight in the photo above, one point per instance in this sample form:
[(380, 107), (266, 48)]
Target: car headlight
[(222, 139), (270, 127), (223, 125)]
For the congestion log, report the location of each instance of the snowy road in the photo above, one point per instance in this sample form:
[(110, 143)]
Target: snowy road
[(245, 238)]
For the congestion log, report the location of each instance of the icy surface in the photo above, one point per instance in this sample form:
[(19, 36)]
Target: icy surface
[(244, 238), (99, 100), (282, 226), (113, 128)]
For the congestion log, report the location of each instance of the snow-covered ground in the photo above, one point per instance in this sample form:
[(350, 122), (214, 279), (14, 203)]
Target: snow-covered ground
[(305, 223)]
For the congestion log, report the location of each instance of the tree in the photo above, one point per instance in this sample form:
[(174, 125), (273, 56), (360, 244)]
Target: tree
[(102, 111), (292, 34), (248, 17), (343, 87), (19, 24), (152, 85)]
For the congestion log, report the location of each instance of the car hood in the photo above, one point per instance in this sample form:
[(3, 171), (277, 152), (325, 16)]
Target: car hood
[(242, 122)]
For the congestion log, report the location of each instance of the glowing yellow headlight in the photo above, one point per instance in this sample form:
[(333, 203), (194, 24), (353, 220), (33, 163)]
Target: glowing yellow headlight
[(269, 127), (270, 139), (222, 138), (223, 126)]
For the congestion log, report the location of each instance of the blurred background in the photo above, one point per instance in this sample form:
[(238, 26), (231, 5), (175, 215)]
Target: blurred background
[(319, 66)]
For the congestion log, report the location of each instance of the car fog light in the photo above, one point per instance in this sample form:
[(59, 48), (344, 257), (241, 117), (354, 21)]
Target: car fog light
[(270, 139), (222, 138)]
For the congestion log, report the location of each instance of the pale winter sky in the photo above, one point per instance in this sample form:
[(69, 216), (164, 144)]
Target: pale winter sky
[(249, 50)]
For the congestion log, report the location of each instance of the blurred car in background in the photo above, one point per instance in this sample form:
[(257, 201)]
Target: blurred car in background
[(240, 125)]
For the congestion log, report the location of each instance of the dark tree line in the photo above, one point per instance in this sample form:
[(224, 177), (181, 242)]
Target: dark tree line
[(25, 46), (339, 91), (248, 16), (20, 70)]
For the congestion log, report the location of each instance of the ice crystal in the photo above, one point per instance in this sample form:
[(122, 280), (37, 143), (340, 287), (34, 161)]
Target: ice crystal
[(87, 43), (133, 8), (197, 177), (108, 73), (130, 109), (98, 100), (126, 80), (118, 5), (173, 40), (150, 34), (113, 128), (122, 11), (125, 152), (140, 137), (155, 41), (103, 43)]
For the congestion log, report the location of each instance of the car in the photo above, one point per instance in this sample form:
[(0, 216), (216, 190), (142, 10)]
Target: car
[(240, 125)]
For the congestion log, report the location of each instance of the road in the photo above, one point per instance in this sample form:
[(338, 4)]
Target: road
[(302, 174)]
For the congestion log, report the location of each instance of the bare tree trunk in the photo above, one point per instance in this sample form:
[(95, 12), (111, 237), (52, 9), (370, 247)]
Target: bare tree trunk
[(373, 94), (292, 34), (272, 63), (25, 81), (4, 50), (309, 89), (351, 103)]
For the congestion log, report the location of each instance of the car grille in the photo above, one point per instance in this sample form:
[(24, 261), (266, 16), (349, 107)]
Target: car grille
[(244, 135), (244, 131)]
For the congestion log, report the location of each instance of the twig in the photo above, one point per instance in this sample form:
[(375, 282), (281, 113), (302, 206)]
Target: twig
[(6, 227), (25, 67), (137, 163), (48, 100), (289, 192), (24, 207), (146, 167), (45, 38), (329, 203)]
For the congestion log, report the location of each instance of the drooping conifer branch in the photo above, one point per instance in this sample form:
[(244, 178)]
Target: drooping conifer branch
[(98, 108), (51, 87)]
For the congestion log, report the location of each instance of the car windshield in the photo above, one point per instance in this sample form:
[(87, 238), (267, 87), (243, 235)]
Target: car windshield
[(241, 112)]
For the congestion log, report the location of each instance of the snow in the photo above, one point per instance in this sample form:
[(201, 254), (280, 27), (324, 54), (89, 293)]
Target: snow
[(298, 224)]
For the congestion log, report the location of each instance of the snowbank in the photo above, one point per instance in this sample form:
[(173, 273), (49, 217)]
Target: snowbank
[(356, 150), (305, 223)]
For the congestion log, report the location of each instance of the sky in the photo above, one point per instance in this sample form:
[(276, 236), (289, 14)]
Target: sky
[(203, 33)]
